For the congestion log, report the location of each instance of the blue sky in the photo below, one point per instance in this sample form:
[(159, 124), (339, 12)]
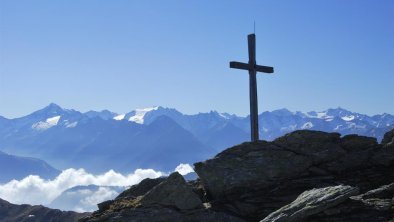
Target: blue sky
[(121, 55)]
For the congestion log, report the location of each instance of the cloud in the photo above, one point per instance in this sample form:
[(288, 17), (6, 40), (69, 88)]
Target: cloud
[(102, 194), (35, 190), (184, 169), (85, 199)]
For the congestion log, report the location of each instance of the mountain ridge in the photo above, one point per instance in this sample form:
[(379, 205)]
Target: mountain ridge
[(64, 136), (18, 167)]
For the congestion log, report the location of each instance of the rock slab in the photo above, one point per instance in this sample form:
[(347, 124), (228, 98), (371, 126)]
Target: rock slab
[(312, 202)]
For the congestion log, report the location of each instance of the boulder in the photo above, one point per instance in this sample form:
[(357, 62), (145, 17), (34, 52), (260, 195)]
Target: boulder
[(312, 202), (175, 192)]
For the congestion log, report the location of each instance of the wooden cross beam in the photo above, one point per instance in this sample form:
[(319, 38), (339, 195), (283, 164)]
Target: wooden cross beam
[(253, 68)]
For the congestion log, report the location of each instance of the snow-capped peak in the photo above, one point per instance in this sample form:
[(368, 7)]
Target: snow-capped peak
[(139, 114)]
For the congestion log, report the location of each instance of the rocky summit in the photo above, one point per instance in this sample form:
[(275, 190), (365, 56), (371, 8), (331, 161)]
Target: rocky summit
[(302, 176)]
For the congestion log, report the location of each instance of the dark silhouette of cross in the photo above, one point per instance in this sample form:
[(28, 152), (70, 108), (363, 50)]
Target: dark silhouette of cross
[(252, 67)]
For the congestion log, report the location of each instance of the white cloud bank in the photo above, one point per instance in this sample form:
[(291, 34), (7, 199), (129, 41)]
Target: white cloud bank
[(35, 190)]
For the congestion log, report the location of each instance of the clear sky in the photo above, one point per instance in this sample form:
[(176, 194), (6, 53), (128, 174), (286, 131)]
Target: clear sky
[(121, 55)]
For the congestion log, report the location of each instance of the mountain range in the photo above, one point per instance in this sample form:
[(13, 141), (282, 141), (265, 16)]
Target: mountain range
[(158, 137)]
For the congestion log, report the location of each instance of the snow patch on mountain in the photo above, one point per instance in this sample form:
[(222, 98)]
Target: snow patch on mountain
[(50, 122), (71, 125), (307, 125), (348, 118), (119, 117), (225, 115), (140, 114), (289, 128)]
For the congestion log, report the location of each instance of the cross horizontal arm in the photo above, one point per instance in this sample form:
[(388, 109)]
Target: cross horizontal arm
[(266, 69), (246, 66), (239, 65)]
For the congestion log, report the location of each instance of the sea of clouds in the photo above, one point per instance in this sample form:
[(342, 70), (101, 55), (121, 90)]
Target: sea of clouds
[(35, 190)]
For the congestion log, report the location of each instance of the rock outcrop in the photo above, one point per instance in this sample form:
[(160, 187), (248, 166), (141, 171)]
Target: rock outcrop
[(252, 180), (27, 213), (302, 176)]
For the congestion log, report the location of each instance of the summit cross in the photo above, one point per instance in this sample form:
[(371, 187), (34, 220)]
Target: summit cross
[(253, 68)]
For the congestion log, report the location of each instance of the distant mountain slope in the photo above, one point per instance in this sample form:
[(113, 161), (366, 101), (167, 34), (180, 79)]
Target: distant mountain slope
[(159, 137), (24, 213), (85, 198), (14, 167)]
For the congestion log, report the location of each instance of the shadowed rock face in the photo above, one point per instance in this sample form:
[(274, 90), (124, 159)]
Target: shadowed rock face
[(252, 180), (303, 176), (388, 138), (27, 213)]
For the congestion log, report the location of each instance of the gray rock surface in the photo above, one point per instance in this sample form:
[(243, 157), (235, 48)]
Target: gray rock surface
[(252, 180), (375, 205), (312, 202)]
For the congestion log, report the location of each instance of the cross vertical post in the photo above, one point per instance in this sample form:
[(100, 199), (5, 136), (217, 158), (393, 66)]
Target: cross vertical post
[(253, 68), (254, 113)]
